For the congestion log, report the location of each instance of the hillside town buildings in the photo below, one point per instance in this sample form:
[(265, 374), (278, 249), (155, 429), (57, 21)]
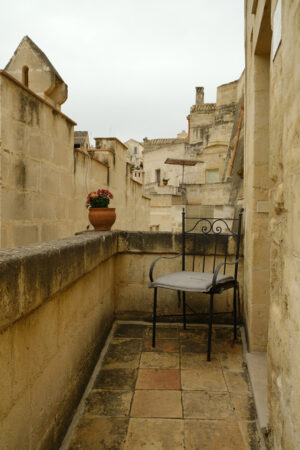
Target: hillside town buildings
[(204, 174)]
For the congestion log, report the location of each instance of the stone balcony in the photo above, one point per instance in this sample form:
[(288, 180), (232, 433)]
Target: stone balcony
[(59, 301), (169, 397)]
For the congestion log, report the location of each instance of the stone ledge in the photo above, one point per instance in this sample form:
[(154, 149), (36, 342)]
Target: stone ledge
[(33, 274)]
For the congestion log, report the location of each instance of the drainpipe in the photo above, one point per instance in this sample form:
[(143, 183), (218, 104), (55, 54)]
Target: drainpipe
[(236, 141)]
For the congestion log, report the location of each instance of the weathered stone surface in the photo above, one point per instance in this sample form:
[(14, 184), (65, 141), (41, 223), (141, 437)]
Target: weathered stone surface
[(98, 433), (244, 405), (207, 405), (198, 361), (166, 332), (116, 379), (206, 416), (194, 345), (45, 269), (155, 433), (161, 345), (158, 379), (157, 360), (208, 378), (237, 381), (108, 403), (123, 354), (213, 434), (153, 403), (134, 331)]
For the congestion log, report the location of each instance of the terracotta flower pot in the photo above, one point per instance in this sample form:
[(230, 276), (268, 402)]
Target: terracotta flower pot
[(102, 219)]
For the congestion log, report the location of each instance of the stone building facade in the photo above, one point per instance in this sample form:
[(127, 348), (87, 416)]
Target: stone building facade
[(44, 179), (81, 140), (272, 203), (205, 187)]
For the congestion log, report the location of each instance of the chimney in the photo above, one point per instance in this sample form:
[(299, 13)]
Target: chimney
[(199, 95)]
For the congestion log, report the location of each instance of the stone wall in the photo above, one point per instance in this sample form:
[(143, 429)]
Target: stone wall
[(133, 297), (56, 309), (45, 181), (57, 303), (212, 136), (272, 199)]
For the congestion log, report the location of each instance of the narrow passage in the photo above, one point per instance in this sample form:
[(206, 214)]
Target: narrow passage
[(170, 398)]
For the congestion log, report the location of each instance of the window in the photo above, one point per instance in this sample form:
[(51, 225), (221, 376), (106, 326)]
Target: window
[(157, 176), (25, 71), (135, 150), (212, 175)]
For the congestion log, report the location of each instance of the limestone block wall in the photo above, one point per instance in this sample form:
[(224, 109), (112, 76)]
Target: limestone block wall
[(36, 157), (56, 308), (272, 243), (228, 93), (91, 173), (133, 297), (208, 194), (257, 182), (44, 181)]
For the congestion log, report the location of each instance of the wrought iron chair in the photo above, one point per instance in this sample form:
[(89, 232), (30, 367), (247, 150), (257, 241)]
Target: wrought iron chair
[(201, 236)]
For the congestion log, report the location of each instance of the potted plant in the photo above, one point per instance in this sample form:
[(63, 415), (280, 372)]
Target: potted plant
[(165, 181), (100, 216)]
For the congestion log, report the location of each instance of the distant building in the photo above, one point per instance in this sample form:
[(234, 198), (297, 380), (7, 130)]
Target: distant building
[(81, 140), (212, 134), (135, 153)]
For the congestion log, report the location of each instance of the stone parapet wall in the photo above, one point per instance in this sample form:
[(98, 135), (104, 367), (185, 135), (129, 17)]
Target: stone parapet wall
[(56, 309), (57, 303), (136, 252)]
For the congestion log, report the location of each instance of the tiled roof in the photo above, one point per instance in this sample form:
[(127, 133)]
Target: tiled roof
[(164, 141), (204, 107)]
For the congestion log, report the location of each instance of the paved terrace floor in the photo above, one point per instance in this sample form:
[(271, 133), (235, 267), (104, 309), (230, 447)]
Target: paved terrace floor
[(170, 398)]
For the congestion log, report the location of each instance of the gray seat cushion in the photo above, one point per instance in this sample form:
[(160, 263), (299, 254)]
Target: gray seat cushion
[(189, 281)]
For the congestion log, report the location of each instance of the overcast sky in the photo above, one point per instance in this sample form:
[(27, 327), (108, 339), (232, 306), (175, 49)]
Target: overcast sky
[(131, 65)]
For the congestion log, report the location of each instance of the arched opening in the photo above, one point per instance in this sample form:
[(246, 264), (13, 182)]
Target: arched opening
[(25, 72)]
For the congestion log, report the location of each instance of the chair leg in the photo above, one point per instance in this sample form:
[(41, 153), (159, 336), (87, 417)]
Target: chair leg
[(211, 311), (234, 313), (154, 317), (238, 304), (179, 299), (184, 310)]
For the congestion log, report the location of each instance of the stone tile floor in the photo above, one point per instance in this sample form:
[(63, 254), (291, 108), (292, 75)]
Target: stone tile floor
[(169, 397)]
